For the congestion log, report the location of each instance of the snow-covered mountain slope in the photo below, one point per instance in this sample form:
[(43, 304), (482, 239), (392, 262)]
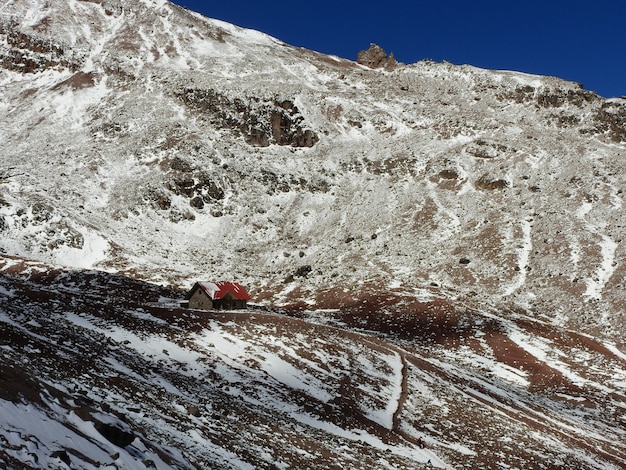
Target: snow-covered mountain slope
[(138, 136), (448, 242), (98, 371)]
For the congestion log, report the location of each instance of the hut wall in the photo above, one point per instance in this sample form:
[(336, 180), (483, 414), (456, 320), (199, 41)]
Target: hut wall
[(200, 300)]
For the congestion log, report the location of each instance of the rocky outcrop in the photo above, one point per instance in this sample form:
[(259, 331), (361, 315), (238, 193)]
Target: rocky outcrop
[(376, 58), (113, 429), (610, 120), (261, 122), (27, 53)]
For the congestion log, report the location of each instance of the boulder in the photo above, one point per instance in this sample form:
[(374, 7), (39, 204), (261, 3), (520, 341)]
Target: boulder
[(113, 429)]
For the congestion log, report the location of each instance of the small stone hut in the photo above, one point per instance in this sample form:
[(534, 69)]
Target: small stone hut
[(218, 295)]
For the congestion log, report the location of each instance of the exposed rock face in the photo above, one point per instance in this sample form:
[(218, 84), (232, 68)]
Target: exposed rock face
[(376, 58), (611, 121), (262, 122), (31, 53)]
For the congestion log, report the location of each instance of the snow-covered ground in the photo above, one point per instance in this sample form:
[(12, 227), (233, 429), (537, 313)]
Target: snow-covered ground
[(255, 389)]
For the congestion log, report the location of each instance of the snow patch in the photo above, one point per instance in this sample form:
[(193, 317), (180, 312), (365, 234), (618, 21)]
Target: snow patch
[(595, 286)]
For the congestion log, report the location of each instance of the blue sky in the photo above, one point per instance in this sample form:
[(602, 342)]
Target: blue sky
[(582, 41)]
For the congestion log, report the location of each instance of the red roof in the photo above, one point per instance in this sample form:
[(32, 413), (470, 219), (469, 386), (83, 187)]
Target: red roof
[(219, 290)]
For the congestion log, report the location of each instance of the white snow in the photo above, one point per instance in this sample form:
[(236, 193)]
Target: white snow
[(6, 292), (523, 257), (19, 421), (235, 352), (604, 272), (389, 388), (94, 251)]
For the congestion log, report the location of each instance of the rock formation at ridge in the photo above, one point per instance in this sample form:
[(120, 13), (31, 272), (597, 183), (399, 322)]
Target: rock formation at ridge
[(375, 57)]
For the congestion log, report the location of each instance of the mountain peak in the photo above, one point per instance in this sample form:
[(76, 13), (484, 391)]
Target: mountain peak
[(375, 57)]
